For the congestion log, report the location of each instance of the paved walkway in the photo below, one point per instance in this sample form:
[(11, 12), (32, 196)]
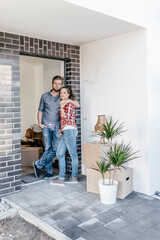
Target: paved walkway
[(80, 215)]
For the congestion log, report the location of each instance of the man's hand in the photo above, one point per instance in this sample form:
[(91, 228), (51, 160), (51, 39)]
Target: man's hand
[(42, 126), (64, 102), (61, 132)]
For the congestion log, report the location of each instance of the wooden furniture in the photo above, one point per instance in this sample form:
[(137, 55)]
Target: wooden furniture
[(91, 153)]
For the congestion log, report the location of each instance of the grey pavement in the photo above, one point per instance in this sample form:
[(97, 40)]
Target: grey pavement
[(80, 215)]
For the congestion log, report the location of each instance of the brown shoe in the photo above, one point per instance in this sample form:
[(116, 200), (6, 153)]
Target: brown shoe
[(58, 182), (72, 180)]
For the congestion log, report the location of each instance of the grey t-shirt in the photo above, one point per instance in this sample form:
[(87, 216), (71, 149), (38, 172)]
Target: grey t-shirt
[(49, 105)]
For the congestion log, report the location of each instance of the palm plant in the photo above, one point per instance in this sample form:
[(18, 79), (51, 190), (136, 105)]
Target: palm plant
[(110, 130), (117, 157), (103, 167)]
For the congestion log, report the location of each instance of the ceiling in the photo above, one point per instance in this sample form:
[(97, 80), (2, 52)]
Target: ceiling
[(59, 21)]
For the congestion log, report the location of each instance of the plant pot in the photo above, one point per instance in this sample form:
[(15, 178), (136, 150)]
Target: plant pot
[(108, 193)]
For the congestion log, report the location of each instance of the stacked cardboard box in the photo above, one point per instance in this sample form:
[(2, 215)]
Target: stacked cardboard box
[(30, 155), (91, 153)]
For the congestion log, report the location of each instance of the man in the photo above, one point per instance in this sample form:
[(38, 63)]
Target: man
[(49, 122)]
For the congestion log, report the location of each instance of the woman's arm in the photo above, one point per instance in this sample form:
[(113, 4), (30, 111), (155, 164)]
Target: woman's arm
[(67, 111)]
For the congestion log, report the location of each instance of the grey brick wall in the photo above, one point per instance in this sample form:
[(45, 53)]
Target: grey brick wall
[(11, 46)]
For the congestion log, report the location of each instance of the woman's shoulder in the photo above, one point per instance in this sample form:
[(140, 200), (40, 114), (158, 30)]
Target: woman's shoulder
[(69, 104)]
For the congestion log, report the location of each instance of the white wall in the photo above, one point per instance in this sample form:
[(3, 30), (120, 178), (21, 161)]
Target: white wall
[(51, 68), (28, 107), (114, 82), (153, 47)]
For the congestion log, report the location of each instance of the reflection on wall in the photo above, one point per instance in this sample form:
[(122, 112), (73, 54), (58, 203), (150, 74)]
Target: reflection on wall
[(36, 77)]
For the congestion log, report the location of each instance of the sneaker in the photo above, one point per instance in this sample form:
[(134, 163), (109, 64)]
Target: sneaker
[(73, 180), (58, 182), (36, 170), (47, 176)]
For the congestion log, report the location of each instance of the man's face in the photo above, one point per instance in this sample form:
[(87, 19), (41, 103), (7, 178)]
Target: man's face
[(56, 85)]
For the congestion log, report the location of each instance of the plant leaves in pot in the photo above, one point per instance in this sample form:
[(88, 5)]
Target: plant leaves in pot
[(113, 159)]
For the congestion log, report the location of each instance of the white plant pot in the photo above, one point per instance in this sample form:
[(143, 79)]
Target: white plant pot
[(108, 193)]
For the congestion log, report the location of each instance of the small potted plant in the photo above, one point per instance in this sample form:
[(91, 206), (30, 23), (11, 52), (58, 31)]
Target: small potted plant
[(114, 159), (110, 130)]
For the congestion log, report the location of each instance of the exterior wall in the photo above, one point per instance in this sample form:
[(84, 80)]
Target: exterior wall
[(114, 83), (11, 46)]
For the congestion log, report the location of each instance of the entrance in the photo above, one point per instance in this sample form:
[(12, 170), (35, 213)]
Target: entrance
[(36, 75)]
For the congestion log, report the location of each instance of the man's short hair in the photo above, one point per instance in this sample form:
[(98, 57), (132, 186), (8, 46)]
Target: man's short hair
[(57, 77)]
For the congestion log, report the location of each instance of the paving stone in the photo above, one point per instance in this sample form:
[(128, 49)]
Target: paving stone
[(117, 224), (151, 234), (74, 232), (133, 215), (82, 216), (89, 195), (57, 200), (60, 206), (126, 233), (49, 220), (91, 224), (59, 215), (99, 233), (80, 207), (109, 215), (157, 226), (42, 214), (85, 215), (77, 201), (72, 195), (67, 222), (147, 207), (94, 202), (143, 224), (51, 195), (100, 208)]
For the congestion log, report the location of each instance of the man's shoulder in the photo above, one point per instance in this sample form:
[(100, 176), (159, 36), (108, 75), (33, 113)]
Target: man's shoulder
[(45, 94)]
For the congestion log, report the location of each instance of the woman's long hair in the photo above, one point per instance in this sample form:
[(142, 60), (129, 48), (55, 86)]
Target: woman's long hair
[(70, 92)]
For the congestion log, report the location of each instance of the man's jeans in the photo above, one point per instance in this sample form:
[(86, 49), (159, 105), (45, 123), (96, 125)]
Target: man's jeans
[(51, 138), (68, 141)]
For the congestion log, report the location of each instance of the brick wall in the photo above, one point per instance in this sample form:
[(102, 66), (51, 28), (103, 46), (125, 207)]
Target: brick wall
[(11, 46)]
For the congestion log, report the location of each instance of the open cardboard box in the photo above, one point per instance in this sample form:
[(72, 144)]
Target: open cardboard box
[(124, 178)]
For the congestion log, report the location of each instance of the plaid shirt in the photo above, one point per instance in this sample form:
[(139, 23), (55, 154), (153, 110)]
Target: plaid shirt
[(69, 118)]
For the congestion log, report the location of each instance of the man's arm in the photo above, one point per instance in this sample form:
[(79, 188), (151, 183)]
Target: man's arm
[(39, 118), (64, 102)]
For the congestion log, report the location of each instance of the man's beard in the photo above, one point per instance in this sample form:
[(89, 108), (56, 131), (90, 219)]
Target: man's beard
[(56, 90)]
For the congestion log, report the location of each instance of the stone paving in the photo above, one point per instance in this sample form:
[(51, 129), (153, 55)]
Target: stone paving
[(80, 215)]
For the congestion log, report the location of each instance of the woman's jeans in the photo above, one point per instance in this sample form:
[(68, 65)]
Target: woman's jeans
[(51, 138), (68, 141)]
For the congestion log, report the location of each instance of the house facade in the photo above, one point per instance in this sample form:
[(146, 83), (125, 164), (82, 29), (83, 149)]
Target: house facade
[(11, 47)]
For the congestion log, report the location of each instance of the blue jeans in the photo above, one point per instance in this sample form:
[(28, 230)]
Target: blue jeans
[(51, 138), (68, 141)]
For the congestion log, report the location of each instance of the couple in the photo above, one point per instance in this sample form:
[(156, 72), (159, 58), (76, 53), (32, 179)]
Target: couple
[(56, 117)]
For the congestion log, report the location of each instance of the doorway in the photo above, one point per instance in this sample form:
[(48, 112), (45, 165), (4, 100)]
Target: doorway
[(36, 75)]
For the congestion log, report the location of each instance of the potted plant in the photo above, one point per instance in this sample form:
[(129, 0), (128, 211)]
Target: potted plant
[(113, 160), (110, 130)]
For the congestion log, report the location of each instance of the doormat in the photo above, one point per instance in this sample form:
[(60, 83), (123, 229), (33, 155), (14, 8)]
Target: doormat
[(29, 178)]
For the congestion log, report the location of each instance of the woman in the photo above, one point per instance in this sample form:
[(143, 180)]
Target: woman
[(68, 139)]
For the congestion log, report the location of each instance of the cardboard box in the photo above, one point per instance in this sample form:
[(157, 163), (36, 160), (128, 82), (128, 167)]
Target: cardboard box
[(91, 152), (30, 154), (124, 178)]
